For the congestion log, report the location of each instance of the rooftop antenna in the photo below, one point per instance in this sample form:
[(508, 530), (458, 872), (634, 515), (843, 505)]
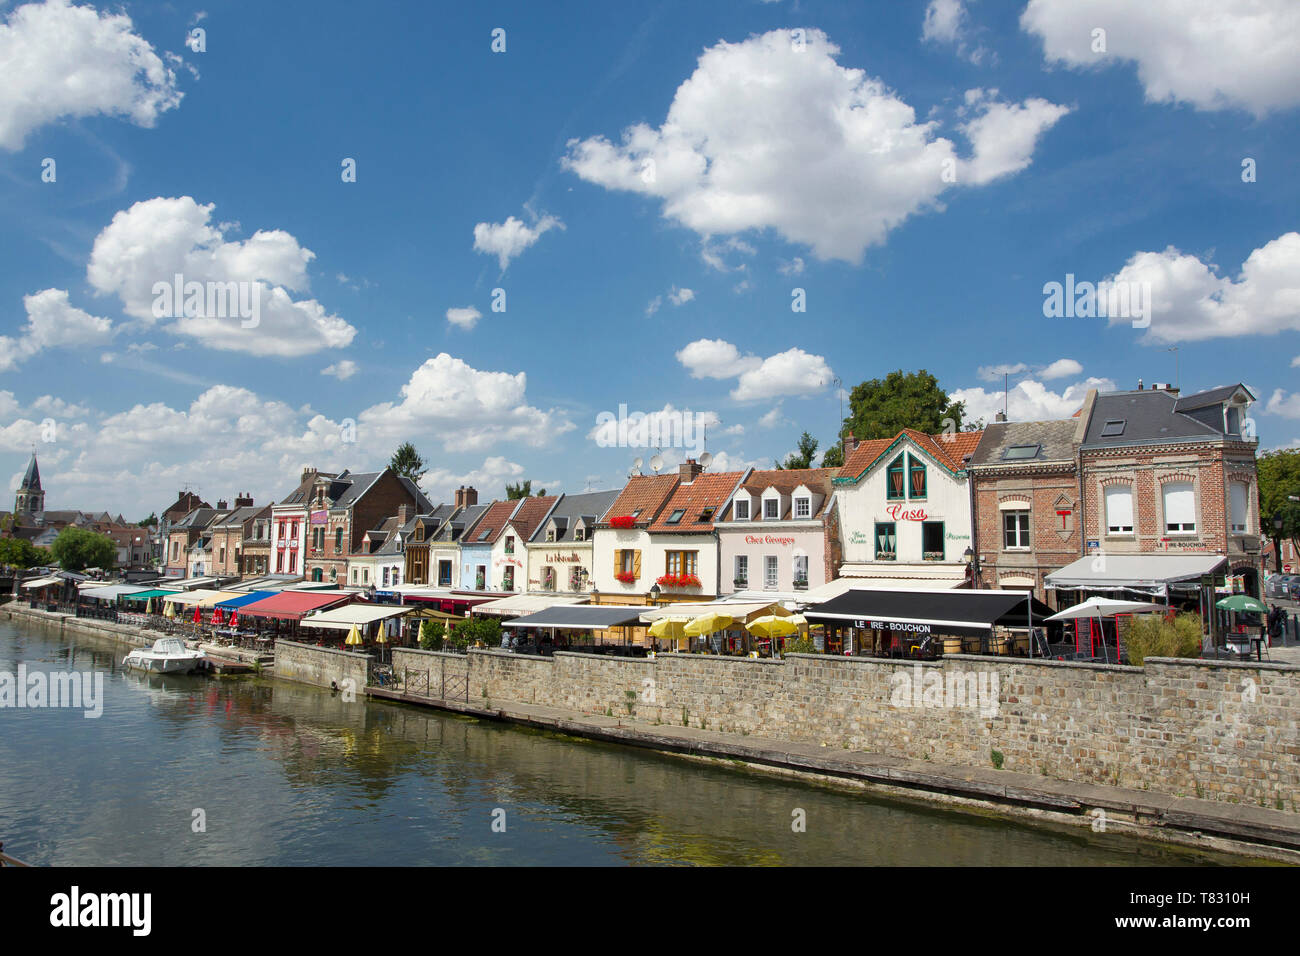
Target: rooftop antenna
[(1177, 382), (839, 389), (1006, 395)]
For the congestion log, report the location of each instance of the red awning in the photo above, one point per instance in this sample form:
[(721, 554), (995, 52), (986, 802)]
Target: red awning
[(292, 605)]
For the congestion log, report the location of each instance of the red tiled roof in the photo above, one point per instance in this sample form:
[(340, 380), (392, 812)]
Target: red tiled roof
[(493, 521), (948, 449), (645, 492), (786, 480), (531, 513), (706, 491)]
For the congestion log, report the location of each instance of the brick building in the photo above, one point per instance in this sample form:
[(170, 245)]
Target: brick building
[(1024, 484), (1173, 475), (341, 509)]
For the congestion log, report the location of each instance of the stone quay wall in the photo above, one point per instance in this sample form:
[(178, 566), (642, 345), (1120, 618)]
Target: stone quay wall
[(322, 666), (1223, 731)]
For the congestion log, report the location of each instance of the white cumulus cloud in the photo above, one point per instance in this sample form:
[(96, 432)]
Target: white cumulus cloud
[(1028, 400), (465, 318), (1209, 53), (764, 135), (52, 322), (792, 372), (58, 60), (146, 246), (342, 370), (506, 240)]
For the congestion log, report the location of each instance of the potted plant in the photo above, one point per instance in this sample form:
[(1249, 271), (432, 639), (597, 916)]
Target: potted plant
[(626, 577), (741, 582), (801, 583), (932, 556), (884, 555), (622, 521)]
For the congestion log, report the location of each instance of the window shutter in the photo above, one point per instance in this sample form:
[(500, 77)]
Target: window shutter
[(1180, 503), (636, 564), (1119, 506), (618, 562)]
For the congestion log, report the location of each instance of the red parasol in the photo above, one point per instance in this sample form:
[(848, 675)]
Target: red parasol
[(216, 616), (198, 615), (234, 618)]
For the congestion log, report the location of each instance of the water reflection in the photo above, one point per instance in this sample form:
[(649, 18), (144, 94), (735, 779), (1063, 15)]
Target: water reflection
[(291, 775)]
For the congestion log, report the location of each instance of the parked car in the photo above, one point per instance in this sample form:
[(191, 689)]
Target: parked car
[(1283, 586)]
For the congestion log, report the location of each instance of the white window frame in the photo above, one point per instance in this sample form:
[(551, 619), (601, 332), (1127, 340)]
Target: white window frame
[(742, 569), (775, 504), (771, 571), (1235, 526), (1116, 529), (742, 502), (1182, 488), (803, 507), (1020, 532)]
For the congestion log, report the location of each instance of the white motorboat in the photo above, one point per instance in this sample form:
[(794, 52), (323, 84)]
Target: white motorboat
[(169, 655)]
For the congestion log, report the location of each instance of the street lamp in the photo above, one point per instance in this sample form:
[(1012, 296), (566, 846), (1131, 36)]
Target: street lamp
[(1277, 541)]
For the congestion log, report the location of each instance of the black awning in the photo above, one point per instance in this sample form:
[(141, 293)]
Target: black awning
[(925, 612)]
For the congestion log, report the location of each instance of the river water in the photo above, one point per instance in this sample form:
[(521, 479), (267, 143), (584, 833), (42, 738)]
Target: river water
[(274, 773)]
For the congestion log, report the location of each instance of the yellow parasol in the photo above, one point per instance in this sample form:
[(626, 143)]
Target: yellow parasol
[(169, 610), (709, 624), (769, 625), (668, 629), (354, 637)]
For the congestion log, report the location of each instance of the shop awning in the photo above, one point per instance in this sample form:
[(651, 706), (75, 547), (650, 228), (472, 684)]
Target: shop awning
[(740, 610), (1117, 572), (214, 599), (898, 577), (146, 595), (291, 605), (110, 592), (590, 617), (42, 582), (343, 618), (271, 582), (232, 603), (189, 598), (519, 604), (921, 612)]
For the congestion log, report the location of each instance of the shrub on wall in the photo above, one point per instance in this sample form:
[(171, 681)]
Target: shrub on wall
[(1150, 635), (432, 635)]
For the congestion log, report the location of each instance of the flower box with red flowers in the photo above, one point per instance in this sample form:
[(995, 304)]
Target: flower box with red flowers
[(622, 521), (678, 581), (627, 577)]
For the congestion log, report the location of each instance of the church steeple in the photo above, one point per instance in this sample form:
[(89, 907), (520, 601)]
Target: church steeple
[(30, 499)]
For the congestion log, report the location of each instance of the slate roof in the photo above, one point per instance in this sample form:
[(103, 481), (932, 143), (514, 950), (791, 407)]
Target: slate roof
[(948, 449), (31, 479), (649, 493), (590, 506), (706, 491), (1149, 417), (786, 480), (240, 515), (1054, 438), (198, 518), (356, 487), (302, 492), (464, 519), (1214, 396)]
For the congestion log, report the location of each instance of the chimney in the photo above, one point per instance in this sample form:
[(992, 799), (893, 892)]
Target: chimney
[(221, 505), (689, 470), (243, 500), (1000, 417), (403, 514), (1139, 385), (466, 496), (307, 473), (852, 442)]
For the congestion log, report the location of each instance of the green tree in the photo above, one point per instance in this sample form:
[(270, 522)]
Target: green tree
[(881, 408), (803, 458), (476, 630), (406, 462), (1279, 479), (834, 457), (522, 490), (149, 521), (18, 553), (76, 549), (432, 635)]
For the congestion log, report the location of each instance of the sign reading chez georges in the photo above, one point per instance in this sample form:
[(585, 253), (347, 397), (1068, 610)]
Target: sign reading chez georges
[(768, 539)]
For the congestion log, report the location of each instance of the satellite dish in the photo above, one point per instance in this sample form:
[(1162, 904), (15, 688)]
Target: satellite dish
[(706, 459), (637, 464), (656, 463)]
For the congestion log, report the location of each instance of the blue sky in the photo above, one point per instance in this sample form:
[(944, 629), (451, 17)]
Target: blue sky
[(649, 185)]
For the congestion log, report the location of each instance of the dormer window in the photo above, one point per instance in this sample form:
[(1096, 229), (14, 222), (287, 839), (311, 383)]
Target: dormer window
[(742, 509), (550, 535), (894, 480), (771, 508), (1232, 420), (803, 507), (916, 478), (579, 533)]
